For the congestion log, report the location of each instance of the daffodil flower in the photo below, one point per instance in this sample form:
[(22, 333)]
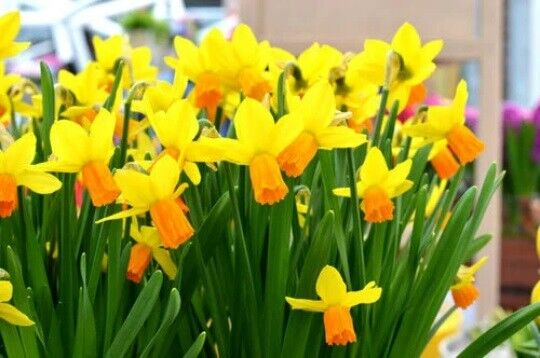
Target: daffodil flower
[(435, 197), (77, 150), (10, 25), (8, 312), (463, 290), (259, 143), (8, 102), (148, 245), (199, 65), (160, 96), (336, 303), (316, 112), (415, 63), (378, 185), (448, 122), (176, 129), (156, 193), (16, 169)]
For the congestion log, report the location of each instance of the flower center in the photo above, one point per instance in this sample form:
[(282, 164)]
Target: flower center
[(465, 145), (171, 222), (338, 326), (464, 294), (253, 84), (377, 205), (139, 259), (99, 182), (208, 93), (296, 157), (8, 195), (268, 185), (445, 164)]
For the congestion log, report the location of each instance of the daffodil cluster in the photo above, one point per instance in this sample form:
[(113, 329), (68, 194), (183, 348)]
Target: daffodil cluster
[(252, 177)]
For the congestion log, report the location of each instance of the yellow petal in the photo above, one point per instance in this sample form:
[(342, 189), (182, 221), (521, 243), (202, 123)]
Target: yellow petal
[(318, 106), (163, 258), (20, 154), (164, 177), (123, 214), (101, 136), (346, 192), (369, 294), (217, 149), (460, 102), (244, 44), (39, 182), (406, 39), (70, 143), (330, 286), (253, 124), (6, 291), (178, 126), (306, 305), (339, 137), (284, 133), (397, 175), (135, 187), (431, 49), (478, 264), (13, 49), (374, 170), (14, 316), (192, 171), (425, 130)]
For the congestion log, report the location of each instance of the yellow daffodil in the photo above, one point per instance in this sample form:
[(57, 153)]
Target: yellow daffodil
[(8, 312), (302, 205), (316, 112), (199, 65), (148, 245), (448, 122), (157, 193), (160, 96), (435, 197), (414, 63), (259, 143), (10, 25), (336, 303), (16, 169), (463, 290), (176, 129), (378, 185), (8, 102), (77, 150), (144, 148)]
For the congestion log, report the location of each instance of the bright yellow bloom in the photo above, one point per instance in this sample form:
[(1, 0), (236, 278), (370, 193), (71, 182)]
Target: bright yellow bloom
[(9, 102), (10, 25), (259, 143), (160, 96), (16, 169), (448, 122), (8, 312), (176, 129), (157, 193), (199, 64), (535, 297), (463, 290), (144, 148), (77, 150), (316, 112), (336, 303), (148, 245), (378, 185), (415, 62)]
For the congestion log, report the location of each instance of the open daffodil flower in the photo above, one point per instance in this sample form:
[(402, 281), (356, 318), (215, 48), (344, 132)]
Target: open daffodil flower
[(463, 290), (8, 312)]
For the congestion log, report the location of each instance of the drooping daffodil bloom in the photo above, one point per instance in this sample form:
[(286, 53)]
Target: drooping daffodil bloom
[(316, 112), (411, 65), (378, 185), (10, 25), (448, 122), (77, 150), (8, 312), (158, 194), (16, 169), (148, 245), (336, 303), (463, 290)]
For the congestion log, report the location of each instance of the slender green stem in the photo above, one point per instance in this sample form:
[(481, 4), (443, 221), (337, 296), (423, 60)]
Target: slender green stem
[(357, 226), (380, 116)]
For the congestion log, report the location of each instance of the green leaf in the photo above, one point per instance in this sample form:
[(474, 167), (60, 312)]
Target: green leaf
[(47, 90), (196, 347), (85, 333), (109, 102), (501, 332), (173, 307), (137, 316)]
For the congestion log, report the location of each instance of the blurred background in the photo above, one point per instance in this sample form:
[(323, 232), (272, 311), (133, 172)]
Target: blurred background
[(493, 44)]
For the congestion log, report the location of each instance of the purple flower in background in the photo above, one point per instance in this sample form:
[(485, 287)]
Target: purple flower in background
[(471, 116), (513, 115), (535, 117)]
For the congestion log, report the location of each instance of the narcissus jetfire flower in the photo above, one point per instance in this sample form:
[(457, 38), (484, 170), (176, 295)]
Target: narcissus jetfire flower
[(378, 185), (16, 169), (463, 290), (8, 312), (10, 25), (316, 112), (336, 303), (77, 150), (448, 122), (259, 143), (176, 129), (412, 65), (157, 193), (148, 245)]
